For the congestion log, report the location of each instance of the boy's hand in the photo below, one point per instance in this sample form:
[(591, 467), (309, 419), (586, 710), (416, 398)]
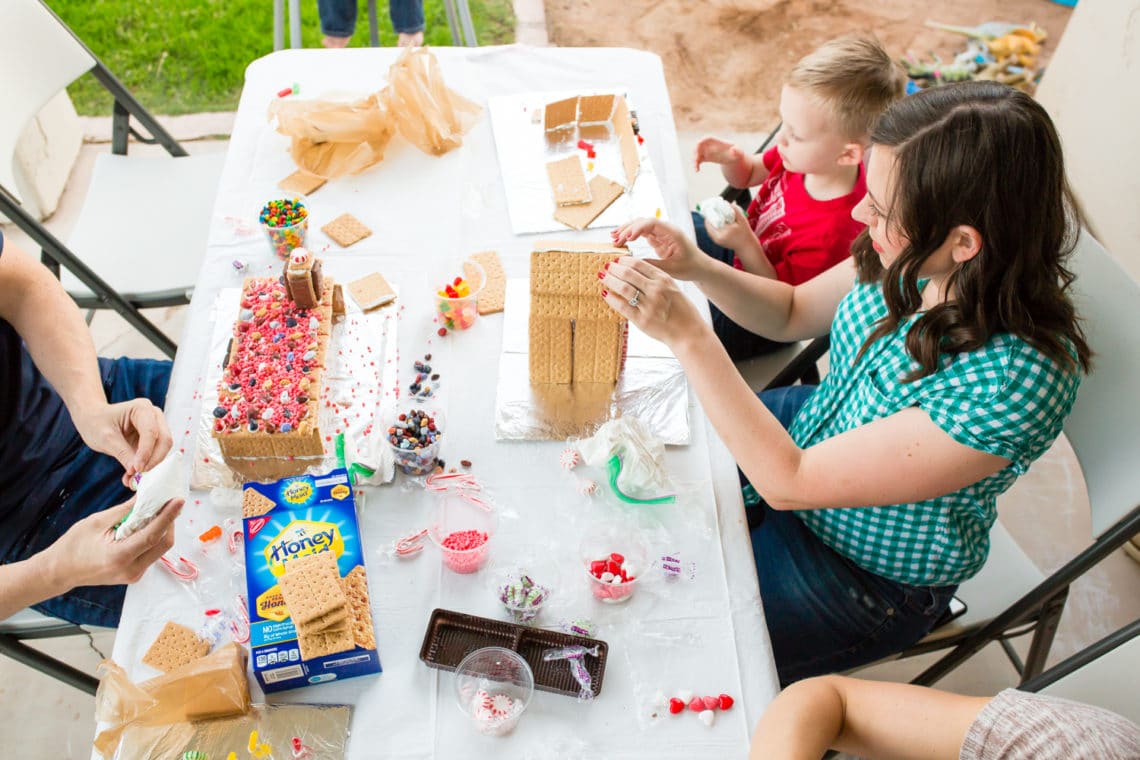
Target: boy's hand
[(716, 151), (735, 235), (88, 554)]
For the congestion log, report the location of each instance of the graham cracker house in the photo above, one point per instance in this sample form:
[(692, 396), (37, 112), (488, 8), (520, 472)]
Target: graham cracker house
[(575, 337)]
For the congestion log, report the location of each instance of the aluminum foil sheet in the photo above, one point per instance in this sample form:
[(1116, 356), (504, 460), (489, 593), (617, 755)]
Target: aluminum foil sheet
[(357, 382), (322, 730), (652, 388), (524, 150)]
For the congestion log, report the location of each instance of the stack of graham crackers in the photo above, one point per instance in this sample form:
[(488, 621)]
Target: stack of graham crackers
[(575, 337), (331, 614)]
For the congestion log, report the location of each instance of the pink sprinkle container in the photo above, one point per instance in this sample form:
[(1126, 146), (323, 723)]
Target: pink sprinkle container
[(462, 530)]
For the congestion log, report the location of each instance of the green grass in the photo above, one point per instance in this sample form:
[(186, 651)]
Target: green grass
[(187, 56)]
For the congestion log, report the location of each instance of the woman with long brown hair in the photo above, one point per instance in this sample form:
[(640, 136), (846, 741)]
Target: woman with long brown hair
[(955, 357)]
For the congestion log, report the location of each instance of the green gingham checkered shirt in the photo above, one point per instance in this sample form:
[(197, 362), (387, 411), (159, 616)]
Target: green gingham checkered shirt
[(1006, 398)]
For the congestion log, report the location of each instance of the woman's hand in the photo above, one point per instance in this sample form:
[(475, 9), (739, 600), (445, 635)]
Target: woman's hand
[(133, 432), (676, 254), (650, 299)]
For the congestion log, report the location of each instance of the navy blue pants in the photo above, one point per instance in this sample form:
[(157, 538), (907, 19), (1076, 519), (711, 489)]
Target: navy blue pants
[(93, 483), (826, 614), (338, 17), (739, 342)]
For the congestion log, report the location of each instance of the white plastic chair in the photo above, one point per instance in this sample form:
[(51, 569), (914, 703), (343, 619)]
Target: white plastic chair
[(1104, 430), (141, 236), (29, 624)]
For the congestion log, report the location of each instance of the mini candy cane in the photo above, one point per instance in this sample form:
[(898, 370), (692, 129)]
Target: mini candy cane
[(471, 499), (574, 656), (234, 535), (411, 545), (184, 569), (439, 481), (239, 627), (300, 751)]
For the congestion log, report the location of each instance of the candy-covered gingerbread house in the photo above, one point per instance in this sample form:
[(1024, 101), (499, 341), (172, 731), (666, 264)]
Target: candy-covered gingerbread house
[(575, 337)]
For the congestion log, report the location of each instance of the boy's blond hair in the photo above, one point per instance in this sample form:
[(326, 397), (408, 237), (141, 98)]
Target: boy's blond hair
[(854, 78)]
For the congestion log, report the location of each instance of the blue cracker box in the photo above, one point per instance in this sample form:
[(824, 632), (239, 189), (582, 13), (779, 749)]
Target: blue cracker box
[(313, 514)]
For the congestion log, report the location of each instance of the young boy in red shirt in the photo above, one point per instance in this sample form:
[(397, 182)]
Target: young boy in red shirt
[(799, 224)]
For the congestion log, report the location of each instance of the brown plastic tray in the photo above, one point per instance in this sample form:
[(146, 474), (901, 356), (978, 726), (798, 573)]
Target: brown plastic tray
[(451, 636)]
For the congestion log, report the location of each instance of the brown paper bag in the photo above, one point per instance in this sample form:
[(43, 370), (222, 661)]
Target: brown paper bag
[(427, 113), (333, 139), (211, 687)]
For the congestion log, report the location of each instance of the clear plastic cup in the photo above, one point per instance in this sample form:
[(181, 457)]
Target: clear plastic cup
[(461, 313), (283, 239), (463, 530), (524, 585), (493, 686), (620, 547), (419, 457)]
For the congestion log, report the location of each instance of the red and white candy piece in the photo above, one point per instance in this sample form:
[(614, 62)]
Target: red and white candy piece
[(587, 487), (569, 458), (705, 707)]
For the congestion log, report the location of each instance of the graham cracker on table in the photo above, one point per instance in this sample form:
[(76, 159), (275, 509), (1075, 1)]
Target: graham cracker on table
[(568, 181), (627, 140), (560, 113), (595, 108), (302, 182), (175, 646), (253, 504), (311, 588), (603, 191), (346, 229), (355, 586), (371, 292), (493, 297)]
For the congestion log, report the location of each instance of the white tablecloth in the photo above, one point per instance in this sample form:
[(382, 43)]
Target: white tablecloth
[(706, 634)]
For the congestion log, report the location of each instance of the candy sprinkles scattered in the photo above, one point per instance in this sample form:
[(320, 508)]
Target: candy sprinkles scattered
[(426, 382)]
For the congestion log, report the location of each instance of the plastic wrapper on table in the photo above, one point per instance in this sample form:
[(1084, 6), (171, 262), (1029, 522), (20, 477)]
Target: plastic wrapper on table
[(332, 139), (318, 732), (209, 687), (355, 382), (652, 387)]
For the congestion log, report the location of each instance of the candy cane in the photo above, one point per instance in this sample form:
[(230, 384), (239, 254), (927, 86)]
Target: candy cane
[(410, 545), (239, 629), (234, 534), (184, 569)]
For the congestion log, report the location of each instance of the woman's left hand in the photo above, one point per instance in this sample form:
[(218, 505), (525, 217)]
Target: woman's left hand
[(650, 299)]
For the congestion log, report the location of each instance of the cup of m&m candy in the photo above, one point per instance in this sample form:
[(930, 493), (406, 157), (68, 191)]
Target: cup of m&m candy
[(286, 224), (413, 435), (456, 302)]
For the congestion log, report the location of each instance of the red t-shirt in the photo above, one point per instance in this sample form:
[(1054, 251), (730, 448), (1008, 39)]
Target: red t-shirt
[(800, 235)]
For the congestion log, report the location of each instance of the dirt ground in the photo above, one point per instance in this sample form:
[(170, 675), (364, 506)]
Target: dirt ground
[(725, 60)]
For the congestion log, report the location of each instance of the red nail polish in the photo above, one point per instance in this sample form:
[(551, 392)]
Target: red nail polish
[(605, 293), (617, 258), (608, 264), (602, 275)]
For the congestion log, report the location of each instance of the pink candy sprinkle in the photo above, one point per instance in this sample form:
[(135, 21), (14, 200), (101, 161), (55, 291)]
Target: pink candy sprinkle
[(464, 551)]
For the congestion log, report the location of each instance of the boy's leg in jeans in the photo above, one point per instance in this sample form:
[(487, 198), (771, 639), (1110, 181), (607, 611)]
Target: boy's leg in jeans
[(739, 342), (825, 613), (338, 21), (408, 21), (94, 484)]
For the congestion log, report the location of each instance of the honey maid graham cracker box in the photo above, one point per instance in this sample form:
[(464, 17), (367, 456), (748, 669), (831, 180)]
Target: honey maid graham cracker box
[(309, 612)]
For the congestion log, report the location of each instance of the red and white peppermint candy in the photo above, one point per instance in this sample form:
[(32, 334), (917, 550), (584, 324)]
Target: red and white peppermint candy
[(569, 459)]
